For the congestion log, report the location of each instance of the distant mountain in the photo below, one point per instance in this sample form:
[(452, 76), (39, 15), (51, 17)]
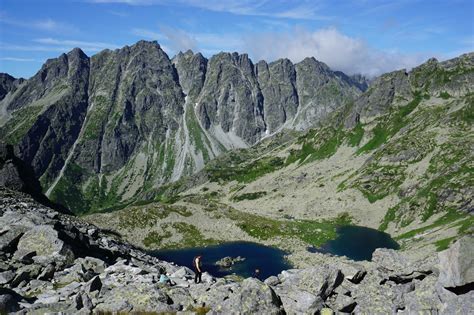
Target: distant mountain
[(100, 130)]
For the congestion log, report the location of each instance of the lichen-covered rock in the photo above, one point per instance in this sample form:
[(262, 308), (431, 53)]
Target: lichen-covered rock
[(44, 241)]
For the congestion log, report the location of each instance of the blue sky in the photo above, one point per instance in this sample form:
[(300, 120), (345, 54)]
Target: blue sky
[(355, 36)]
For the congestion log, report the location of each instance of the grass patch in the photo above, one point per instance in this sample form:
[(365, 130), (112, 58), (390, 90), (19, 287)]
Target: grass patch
[(389, 217), (444, 243), (450, 217), (444, 95), (313, 233), (394, 121), (246, 173), (356, 135), (22, 120)]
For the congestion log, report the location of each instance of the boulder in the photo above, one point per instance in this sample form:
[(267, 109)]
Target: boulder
[(9, 301), (272, 281), (252, 297), (134, 296), (10, 236), (183, 272), (301, 302), (228, 261), (45, 242), (6, 277), (47, 273), (456, 264), (344, 303), (390, 259)]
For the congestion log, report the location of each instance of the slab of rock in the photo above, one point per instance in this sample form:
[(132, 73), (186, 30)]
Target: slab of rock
[(10, 237), (44, 241), (6, 277), (456, 264), (252, 297), (390, 259)]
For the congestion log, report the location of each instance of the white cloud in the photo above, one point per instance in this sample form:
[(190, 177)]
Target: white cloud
[(179, 40), (85, 45), (339, 51), (44, 24), (307, 11), (57, 45), (19, 59), (148, 34)]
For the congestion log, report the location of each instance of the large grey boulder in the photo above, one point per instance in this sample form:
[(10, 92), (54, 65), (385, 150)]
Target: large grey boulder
[(250, 297), (44, 241), (456, 263), (6, 277)]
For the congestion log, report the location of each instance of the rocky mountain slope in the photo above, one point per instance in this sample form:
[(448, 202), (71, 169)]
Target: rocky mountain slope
[(100, 130), (399, 159), (50, 262)]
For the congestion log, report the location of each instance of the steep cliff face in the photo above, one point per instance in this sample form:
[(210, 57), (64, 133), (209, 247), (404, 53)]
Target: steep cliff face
[(8, 84), (99, 130), (44, 115)]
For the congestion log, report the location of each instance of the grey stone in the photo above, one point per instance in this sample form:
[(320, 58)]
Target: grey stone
[(9, 302), (6, 277), (44, 241), (47, 273), (457, 263), (272, 281), (183, 272)]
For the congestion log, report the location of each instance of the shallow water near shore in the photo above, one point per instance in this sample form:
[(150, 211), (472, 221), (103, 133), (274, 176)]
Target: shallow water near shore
[(357, 243), (270, 260)]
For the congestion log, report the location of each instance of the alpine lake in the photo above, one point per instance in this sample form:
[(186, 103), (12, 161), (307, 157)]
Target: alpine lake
[(356, 242)]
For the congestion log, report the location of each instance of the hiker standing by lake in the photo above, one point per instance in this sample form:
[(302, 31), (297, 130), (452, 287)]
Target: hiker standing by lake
[(197, 263)]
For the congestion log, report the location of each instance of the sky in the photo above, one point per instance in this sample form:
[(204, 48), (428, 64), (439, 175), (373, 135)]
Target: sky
[(369, 37)]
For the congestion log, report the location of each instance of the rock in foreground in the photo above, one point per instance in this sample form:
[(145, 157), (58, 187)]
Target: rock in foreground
[(52, 262)]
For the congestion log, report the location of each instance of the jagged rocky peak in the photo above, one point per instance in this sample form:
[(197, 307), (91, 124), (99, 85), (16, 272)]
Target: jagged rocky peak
[(8, 84), (277, 82), (134, 96), (191, 70), (231, 100), (380, 96), (54, 77)]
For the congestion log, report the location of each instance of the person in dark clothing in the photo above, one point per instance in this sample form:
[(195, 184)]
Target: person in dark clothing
[(256, 274), (197, 263)]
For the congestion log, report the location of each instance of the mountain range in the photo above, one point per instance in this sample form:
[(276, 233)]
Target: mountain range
[(99, 130)]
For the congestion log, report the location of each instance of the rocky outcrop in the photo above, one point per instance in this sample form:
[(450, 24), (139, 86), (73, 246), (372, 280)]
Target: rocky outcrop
[(457, 265), (17, 175), (227, 262), (50, 262), (8, 84)]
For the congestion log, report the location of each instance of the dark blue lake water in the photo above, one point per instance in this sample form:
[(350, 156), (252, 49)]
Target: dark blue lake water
[(357, 243), (269, 260)]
